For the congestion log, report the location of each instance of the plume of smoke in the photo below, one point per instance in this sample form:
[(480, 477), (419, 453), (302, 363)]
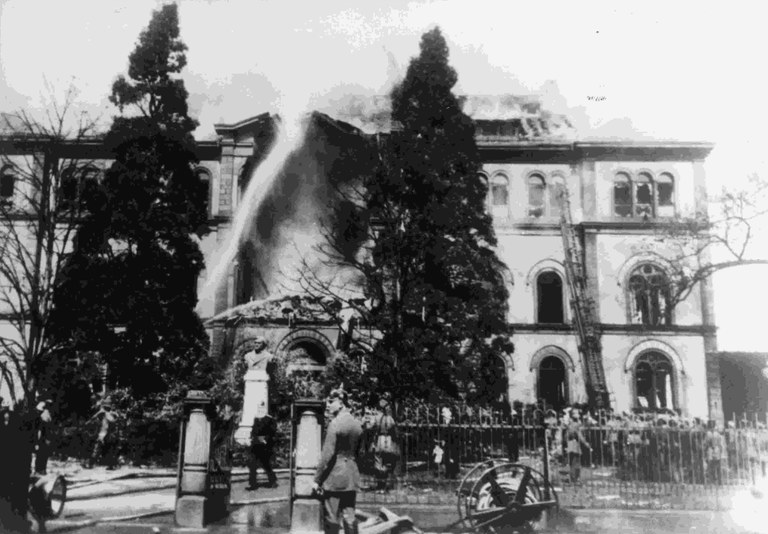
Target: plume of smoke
[(289, 136)]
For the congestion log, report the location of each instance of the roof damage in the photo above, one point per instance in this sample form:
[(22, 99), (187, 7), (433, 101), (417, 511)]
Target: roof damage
[(500, 119)]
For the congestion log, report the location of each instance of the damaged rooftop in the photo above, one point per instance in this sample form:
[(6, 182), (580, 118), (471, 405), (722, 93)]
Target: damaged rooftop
[(499, 118)]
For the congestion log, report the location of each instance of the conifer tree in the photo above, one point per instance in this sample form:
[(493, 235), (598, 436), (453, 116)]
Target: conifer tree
[(434, 287), (137, 262)]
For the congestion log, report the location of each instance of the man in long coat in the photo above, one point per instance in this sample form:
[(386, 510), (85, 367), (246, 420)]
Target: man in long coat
[(262, 448), (338, 474)]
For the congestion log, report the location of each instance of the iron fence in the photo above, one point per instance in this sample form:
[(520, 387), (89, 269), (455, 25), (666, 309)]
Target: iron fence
[(630, 456)]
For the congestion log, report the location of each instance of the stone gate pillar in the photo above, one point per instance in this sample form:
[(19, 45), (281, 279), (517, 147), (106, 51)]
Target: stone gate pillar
[(306, 508), (195, 448)]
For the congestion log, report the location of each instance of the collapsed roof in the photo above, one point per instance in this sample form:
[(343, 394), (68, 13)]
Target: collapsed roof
[(277, 309), (499, 118)]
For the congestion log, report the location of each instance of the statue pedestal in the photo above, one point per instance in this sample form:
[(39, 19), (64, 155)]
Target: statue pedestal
[(256, 392)]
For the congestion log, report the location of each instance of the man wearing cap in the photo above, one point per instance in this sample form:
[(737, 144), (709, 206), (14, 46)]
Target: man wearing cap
[(337, 473)]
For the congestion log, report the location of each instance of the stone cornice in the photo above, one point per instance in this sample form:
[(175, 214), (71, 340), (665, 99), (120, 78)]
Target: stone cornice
[(608, 328), (524, 151)]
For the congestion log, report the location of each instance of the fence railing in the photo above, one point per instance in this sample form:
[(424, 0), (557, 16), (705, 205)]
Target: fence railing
[(639, 449)]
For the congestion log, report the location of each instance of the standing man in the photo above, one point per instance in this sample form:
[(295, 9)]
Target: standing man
[(44, 420), (575, 441), (338, 474), (104, 445), (262, 447)]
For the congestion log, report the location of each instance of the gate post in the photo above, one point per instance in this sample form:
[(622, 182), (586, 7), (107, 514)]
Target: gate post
[(306, 507), (194, 456)]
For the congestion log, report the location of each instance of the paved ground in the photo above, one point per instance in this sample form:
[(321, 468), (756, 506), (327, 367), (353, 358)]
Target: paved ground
[(142, 501)]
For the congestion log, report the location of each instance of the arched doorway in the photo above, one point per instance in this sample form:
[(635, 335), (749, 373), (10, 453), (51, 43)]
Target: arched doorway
[(306, 355), (553, 383)]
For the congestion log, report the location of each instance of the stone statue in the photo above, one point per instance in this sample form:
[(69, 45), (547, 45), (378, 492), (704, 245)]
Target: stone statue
[(259, 357), (256, 391)]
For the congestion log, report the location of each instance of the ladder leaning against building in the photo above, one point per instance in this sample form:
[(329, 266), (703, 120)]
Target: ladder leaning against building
[(583, 307)]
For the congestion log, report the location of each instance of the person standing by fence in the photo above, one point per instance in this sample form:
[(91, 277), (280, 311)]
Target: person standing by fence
[(385, 448), (762, 443), (714, 453), (575, 440)]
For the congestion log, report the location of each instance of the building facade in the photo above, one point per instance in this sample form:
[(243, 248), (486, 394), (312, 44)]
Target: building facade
[(621, 197)]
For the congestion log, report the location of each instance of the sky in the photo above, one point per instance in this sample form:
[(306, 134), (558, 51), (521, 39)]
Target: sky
[(689, 71)]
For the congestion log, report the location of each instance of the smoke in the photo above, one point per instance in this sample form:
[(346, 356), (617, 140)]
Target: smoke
[(301, 212), (289, 136), (290, 207)]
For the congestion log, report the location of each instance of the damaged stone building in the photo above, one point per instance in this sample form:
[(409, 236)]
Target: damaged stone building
[(621, 195)]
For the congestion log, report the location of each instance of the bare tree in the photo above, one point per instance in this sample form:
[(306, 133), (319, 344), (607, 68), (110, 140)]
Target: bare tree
[(44, 187), (727, 237)]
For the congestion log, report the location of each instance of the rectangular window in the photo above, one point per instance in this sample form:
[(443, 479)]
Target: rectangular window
[(6, 186)]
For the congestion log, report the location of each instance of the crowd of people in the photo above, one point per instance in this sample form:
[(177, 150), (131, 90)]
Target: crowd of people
[(663, 447), (660, 446)]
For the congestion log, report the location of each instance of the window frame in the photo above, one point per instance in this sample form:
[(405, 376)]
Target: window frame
[(555, 179), (618, 177), (204, 173), (537, 297), (665, 312), (654, 210), (77, 179), (643, 178), (566, 382), (500, 211), (642, 358), (10, 172), (529, 206), (672, 198)]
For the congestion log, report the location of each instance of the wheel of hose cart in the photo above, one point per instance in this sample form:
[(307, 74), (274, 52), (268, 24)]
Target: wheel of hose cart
[(464, 491), (47, 496), (509, 497)]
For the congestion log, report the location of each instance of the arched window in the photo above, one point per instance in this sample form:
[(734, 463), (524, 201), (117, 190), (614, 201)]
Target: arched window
[(622, 195), (536, 190), (665, 191), (89, 188), (556, 195), (552, 384), (644, 195), (499, 195), (205, 178), (7, 185), (68, 186), (654, 382), (549, 298), (649, 294)]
